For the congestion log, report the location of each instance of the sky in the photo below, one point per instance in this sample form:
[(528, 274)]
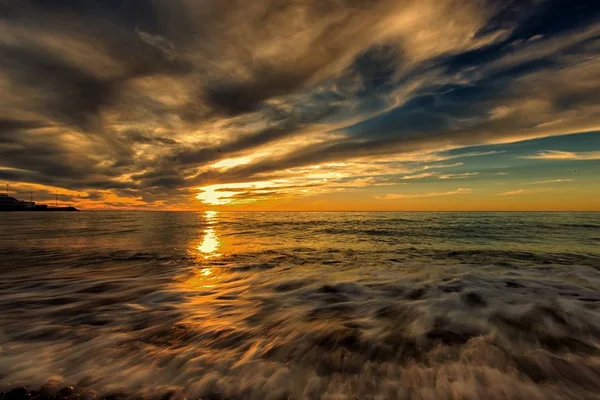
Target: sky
[(316, 105)]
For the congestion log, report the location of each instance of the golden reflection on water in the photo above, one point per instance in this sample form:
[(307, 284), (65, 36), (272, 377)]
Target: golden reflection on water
[(210, 241), (211, 216), (204, 277)]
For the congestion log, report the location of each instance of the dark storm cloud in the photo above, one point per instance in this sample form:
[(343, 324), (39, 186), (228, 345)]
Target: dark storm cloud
[(336, 23), (161, 178), (16, 175), (137, 95), (234, 98), (46, 157), (10, 125), (137, 136), (30, 156), (376, 68), (73, 94), (511, 14), (55, 52), (76, 97)]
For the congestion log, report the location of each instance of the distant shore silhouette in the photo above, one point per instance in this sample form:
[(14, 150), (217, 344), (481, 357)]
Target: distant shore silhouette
[(8, 203)]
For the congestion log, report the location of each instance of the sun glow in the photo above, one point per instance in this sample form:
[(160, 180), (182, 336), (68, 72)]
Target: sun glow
[(232, 162), (212, 196), (218, 195)]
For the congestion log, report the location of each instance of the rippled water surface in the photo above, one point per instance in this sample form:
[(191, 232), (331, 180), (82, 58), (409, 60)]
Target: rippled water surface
[(303, 305)]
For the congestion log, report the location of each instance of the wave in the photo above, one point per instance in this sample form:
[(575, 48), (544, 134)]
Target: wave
[(215, 331)]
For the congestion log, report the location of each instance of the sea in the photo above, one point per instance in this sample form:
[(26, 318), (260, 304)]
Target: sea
[(233, 305)]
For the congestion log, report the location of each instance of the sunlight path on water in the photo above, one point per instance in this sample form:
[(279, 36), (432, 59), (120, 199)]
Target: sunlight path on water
[(210, 242)]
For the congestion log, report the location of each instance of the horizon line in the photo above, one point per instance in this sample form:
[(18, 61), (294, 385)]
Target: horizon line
[(343, 211)]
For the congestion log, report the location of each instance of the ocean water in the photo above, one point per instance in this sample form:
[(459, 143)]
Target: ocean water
[(303, 305)]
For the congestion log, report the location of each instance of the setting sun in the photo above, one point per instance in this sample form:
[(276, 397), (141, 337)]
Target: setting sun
[(217, 195)]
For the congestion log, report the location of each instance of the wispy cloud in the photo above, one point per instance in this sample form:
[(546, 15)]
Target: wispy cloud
[(399, 196), (564, 155), (439, 166), (552, 181), (477, 154), (458, 176), (512, 192), (420, 176), (518, 192)]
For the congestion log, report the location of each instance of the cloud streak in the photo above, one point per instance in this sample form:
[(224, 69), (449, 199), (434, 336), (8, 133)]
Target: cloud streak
[(458, 176), (401, 196), (513, 192), (552, 181), (564, 155)]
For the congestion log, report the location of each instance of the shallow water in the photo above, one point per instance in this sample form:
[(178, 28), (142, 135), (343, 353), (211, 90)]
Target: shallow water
[(303, 305)]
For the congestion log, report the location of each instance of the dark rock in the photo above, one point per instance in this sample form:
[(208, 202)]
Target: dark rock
[(513, 285), (20, 393)]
